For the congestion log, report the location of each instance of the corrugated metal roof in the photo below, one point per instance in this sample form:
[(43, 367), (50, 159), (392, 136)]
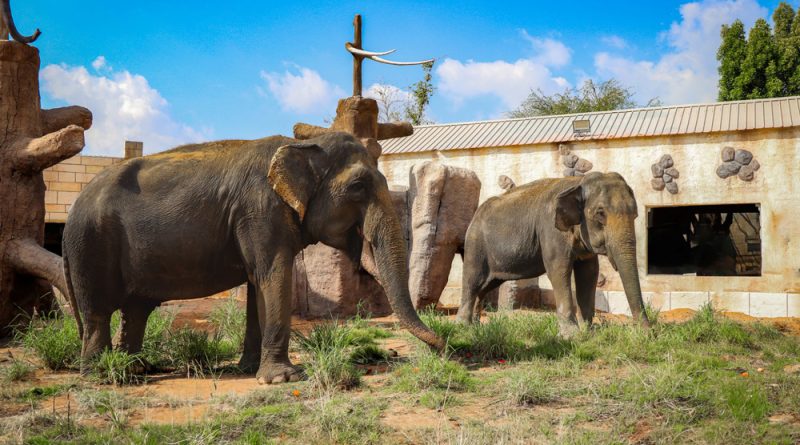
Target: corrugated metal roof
[(641, 122)]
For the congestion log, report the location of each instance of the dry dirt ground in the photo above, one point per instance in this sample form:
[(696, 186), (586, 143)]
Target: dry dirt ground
[(173, 399)]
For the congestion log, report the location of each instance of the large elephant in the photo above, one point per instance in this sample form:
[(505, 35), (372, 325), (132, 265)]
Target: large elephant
[(558, 227), (202, 218)]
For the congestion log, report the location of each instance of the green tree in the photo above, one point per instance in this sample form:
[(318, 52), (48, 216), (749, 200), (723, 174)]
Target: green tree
[(782, 19), (767, 63), (759, 53), (731, 55), (421, 93), (604, 96)]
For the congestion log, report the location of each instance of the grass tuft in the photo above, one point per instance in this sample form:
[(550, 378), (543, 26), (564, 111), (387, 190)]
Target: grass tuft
[(328, 362), (230, 320), (428, 370), (17, 371), (117, 367), (54, 340)]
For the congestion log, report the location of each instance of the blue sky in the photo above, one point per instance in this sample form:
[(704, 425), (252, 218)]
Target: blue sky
[(171, 72)]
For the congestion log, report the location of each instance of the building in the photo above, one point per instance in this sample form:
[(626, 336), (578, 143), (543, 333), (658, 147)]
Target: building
[(718, 217)]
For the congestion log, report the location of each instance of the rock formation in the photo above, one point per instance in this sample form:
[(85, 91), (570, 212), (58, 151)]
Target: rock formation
[(441, 200), (737, 162), (575, 165), (665, 175)]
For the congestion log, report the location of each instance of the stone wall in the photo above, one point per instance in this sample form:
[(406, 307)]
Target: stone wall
[(775, 186)]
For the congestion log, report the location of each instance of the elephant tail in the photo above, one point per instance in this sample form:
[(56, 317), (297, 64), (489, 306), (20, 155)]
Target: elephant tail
[(72, 302)]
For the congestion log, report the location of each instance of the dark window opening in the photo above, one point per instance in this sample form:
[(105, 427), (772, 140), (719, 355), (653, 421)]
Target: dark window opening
[(710, 240), (53, 232)]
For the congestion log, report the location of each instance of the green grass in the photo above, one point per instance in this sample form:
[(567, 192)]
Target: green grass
[(196, 352), (429, 371), (613, 384), (17, 371), (327, 352), (230, 319), (118, 367), (54, 340)]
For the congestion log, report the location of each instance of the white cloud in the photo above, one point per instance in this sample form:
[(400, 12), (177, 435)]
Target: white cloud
[(305, 92), (124, 107), (688, 72), (511, 82), (549, 52), (614, 41)]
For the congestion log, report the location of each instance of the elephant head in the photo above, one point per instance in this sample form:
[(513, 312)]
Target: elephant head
[(334, 186), (604, 208)]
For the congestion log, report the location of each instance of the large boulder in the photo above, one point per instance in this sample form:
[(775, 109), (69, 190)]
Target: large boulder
[(441, 201)]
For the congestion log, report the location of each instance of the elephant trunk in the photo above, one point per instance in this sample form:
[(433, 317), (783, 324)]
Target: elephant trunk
[(382, 230), (621, 247)]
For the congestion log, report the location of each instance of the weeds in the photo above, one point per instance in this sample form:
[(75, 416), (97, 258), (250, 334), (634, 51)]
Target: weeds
[(197, 352), (328, 362), (117, 367), (427, 370), (54, 340), (156, 338), (17, 371), (230, 319)]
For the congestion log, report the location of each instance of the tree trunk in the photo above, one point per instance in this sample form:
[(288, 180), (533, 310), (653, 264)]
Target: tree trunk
[(31, 139)]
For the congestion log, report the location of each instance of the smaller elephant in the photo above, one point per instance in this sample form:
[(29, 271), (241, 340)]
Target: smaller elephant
[(558, 227)]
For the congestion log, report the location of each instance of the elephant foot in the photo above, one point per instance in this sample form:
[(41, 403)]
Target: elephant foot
[(568, 330), (279, 373), (464, 319)]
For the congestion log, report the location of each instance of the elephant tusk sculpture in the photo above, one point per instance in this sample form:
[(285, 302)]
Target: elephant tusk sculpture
[(12, 28), (359, 54)]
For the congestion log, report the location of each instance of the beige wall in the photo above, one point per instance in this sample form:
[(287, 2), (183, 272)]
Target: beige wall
[(65, 181), (776, 187)]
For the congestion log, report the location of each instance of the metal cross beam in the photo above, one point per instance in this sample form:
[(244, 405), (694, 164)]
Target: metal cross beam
[(359, 54)]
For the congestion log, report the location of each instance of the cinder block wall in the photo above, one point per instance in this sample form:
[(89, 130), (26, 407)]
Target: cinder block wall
[(65, 181)]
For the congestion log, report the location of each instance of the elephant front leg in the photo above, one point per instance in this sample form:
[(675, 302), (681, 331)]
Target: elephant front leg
[(585, 287), (251, 356), (274, 311), (560, 277)]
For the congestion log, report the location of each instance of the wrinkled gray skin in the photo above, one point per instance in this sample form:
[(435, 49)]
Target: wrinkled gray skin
[(558, 227), (200, 219)]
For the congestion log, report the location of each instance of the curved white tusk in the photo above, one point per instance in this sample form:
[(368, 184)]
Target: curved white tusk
[(389, 62), (361, 52)]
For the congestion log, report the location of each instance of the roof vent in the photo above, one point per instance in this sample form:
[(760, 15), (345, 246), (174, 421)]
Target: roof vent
[(581, 127)]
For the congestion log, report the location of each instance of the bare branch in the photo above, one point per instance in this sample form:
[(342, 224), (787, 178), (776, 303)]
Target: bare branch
[(12, 28)]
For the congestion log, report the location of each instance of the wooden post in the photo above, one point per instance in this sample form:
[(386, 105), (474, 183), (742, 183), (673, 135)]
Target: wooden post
[(357, 59), (31, 139)]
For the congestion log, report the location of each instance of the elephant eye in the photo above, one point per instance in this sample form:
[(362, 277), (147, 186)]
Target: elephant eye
[(357, 191), (600, 216)]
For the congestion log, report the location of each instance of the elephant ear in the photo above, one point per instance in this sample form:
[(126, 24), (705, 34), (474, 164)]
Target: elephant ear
[(295, 172), (569, 207)]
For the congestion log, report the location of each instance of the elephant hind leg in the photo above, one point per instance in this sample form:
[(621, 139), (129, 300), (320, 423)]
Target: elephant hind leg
[(251, 356), (482, 298), (133, 324), (96, 336), (586, 272)]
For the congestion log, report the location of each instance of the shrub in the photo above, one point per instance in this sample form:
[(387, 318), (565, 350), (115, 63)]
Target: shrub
[(230, 320), (527, 389), (427, 370), (117, 367), (498, 338), (197, 352), (328, 361), (155, 348), (17, 371), (54, 340)]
